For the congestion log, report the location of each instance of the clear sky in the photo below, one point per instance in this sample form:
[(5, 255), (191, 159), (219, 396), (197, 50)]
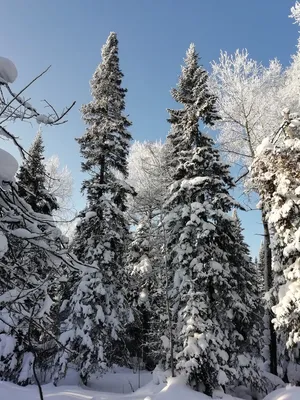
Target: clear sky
[(153, 37)]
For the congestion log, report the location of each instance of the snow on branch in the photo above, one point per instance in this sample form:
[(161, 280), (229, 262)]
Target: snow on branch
[(295, 13), (27, 111), (8, 167), (14, 106)]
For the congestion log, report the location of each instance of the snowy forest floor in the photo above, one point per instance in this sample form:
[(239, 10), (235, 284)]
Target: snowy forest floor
[(119, 385)]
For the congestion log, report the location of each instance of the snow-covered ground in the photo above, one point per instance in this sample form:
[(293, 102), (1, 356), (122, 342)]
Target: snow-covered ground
[(288, 393), (118, 385), (172, 391), (123, 384)]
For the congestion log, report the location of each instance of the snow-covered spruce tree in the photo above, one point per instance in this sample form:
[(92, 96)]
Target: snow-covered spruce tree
[(248, 319), (142, 254), (39, 275), (260, 266), (262, 289), (275, 172), (31, 179), (200, 239), (98, 308), (30, 272)]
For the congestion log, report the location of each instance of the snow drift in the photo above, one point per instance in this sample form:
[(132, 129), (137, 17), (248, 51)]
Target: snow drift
[(287, 393)]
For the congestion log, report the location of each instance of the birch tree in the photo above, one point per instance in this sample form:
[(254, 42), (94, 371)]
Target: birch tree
[(248, 92)]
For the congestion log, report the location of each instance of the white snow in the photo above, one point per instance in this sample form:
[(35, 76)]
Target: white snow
[(144, 295), (44, 119), (8, 167), (215, 265), (3, 244), (295, 123), (287, 393), (112, 386), (295, 13), (8, 70), (265, 145), (144, 266), (90, 214), (176, 389)]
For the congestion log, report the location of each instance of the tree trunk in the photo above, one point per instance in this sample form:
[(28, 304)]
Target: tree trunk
[(168, 308), (268, 286)]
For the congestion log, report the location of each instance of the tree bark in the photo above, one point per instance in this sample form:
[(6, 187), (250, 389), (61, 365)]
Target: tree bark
[(268, 285), (168, 308)]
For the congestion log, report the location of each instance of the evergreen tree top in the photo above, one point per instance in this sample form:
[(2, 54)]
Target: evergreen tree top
[(31, 179), (238, 233), (237, 220), (108, 95), (105, 143), (111, 42), (198, 107), (192, 89), (37, 146)]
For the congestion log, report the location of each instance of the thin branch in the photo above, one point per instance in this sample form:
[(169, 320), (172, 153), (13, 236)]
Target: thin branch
[(56, 122), (14, 139), (242, 176), (235, 152), (16, 96), (52, 108)]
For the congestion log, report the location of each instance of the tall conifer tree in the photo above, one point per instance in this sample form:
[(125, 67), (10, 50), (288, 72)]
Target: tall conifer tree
[(98, 308), (200, 238)]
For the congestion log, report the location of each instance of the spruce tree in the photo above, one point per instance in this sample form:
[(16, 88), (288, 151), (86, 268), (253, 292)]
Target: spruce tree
[(248, 310), (30, 272), (32, 188), (261, 267), (98, 308), (200, 240), (264, 326), (141, 267), (31, 179), (248, 286)]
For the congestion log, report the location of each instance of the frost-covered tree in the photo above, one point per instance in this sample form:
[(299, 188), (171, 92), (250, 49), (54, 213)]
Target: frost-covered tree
[(148, 176), (247, 92), (32, 180), (275, 172), (98, 310), (200, 240), (291, 90), (59, 183)]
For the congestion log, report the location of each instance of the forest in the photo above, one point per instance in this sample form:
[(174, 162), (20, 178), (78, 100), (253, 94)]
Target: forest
[(154, 274)]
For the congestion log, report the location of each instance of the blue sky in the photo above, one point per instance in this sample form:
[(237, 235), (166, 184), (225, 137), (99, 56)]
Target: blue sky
[(153, 36)]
